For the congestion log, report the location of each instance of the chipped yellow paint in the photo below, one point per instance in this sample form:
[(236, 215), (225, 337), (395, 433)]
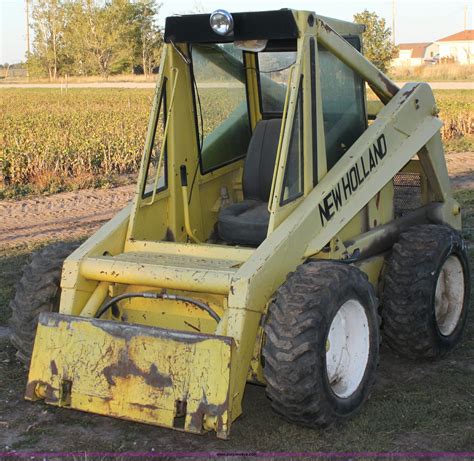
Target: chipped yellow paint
[(138, 373)]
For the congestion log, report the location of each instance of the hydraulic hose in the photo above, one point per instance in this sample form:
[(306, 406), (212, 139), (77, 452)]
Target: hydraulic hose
[(153, 295)]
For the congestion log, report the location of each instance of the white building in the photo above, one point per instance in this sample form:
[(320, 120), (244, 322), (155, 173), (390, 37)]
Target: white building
[(457, 47), (415, 54)]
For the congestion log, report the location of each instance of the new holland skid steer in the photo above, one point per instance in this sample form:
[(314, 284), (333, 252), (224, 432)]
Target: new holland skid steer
[(279, 219)]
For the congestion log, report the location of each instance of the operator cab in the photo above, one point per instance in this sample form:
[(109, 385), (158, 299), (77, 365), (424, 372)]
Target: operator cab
[(249, 116)]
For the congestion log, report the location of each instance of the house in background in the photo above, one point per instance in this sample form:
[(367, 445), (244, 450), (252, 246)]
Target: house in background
[(457, 47), (415, 54)]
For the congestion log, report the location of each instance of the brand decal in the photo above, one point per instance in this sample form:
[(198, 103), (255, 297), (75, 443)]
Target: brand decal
[(352, 180)]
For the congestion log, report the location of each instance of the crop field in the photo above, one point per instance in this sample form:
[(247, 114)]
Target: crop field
[(52, 141)]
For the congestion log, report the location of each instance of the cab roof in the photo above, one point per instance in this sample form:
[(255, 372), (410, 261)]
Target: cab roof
[(254, 25)]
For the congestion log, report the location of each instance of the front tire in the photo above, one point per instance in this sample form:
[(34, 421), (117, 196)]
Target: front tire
[(323, 312), (426, 292), (37, 291)]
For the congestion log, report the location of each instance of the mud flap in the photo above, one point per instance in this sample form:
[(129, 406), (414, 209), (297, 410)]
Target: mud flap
[(164, 377)]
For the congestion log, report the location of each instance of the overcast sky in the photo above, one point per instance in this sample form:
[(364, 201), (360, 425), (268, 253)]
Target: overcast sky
[(416, 20)]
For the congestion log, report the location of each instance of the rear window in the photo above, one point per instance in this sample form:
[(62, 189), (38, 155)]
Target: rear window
[(274, 72)]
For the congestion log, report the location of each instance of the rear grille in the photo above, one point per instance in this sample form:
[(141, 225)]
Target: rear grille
[(407, 193)]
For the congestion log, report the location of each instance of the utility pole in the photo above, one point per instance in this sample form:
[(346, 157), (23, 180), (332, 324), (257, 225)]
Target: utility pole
[(28, 26), (28, 50), (394, 11), (465, 16)]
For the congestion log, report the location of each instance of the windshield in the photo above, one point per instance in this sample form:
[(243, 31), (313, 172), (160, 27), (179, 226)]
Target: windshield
[(221, 103)]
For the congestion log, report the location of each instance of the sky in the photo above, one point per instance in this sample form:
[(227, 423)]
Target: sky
[(416, 20)]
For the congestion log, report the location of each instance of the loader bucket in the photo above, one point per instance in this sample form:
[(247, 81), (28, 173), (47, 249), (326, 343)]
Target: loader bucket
[(163, 377)]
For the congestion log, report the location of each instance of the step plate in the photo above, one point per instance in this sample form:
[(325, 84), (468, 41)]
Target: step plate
[(167, 378)]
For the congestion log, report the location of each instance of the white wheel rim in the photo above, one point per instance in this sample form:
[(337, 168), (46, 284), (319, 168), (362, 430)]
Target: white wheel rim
[(347, 348), (449, 295)]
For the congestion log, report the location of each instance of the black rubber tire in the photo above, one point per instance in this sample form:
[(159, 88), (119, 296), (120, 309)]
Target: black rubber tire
[(296, 332), (37, 291), (411, 274)]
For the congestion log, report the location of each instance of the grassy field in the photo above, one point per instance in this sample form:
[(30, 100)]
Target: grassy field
[(441, 72), (427, 73), (52, 141), (415, 406)]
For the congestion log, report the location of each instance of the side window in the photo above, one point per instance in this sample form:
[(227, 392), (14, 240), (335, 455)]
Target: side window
[(343, 105), (156, 147), (274, 71), (221, 102), (293, 179)]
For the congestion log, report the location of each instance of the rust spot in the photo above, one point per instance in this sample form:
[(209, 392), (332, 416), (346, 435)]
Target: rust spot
[(206, 408), (407, 94), (144, 406), (48, 390), (54, 368), (192, 326), (389, 85), (126, 367), (326, 26), (129, 331)]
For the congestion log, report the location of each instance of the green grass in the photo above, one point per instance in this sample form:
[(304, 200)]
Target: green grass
[(466, 200)]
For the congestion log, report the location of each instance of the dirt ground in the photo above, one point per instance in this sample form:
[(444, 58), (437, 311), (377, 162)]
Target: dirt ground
[(75, 214), (60, 216), (414, 407)]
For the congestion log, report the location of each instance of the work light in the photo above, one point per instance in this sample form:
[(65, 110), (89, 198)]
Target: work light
[(222, 22)]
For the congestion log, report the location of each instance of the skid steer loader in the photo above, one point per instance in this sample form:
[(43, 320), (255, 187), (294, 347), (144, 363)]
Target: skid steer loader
[(279, 218)]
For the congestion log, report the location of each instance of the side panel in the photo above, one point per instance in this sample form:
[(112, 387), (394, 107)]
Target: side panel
[(400, 131)]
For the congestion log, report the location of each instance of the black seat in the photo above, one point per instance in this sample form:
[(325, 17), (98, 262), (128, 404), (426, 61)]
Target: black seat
[(246, 222)]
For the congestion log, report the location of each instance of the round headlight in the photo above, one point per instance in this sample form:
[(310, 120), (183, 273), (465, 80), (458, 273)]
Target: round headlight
[(222, 22)]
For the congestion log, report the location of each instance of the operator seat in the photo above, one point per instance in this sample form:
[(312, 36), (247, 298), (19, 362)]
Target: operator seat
[(246, 222)]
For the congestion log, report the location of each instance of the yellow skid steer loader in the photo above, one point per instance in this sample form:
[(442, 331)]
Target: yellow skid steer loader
[(278, 219)]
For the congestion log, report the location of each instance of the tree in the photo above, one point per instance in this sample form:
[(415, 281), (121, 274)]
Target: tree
[(90, 37), (149, 38), (48, 27), (377, 39), (98, 38)]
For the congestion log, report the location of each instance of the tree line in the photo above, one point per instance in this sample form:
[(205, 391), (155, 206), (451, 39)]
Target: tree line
[(93, 37), (104, 37)]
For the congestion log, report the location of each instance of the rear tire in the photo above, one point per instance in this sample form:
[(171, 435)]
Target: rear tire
[(323, 309), (426, 292), (37, 291)]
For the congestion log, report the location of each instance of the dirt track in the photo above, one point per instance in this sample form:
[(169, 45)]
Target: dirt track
[(75, 214), (60, 216)]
